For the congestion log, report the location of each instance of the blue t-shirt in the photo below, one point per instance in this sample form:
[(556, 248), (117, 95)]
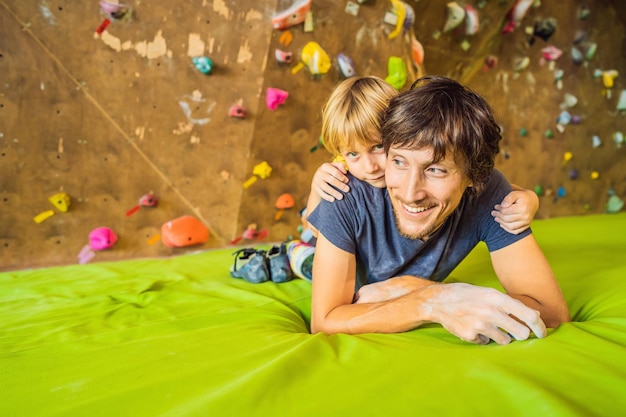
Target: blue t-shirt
[(363, 224)]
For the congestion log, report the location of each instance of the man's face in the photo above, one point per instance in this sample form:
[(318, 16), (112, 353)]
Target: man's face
[(423, 194)]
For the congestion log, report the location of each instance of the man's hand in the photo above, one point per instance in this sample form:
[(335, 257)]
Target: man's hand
[(516, 211), (478, 314), (326, 177)]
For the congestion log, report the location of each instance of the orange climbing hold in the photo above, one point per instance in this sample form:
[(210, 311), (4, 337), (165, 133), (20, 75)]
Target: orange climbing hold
[(284, 201), (184, 231)]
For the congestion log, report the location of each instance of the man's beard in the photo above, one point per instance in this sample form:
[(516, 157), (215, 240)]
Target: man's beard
[(423, 235)]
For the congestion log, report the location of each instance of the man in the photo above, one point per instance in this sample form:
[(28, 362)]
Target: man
[(441, 140)]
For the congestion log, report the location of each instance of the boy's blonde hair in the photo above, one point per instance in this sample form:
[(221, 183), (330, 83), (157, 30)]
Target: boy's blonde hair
[(354, 112)]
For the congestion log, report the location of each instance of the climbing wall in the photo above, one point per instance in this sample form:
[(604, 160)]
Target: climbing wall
[(563, 162), (109, 118), (104, 112)]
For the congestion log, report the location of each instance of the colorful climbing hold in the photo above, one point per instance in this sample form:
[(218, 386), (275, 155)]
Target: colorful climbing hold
[(472, 21), (61, 201), (564, 118), (515, 15), (148, 200), (591, 51), (184, 231), (405, 17), (203, 64), (283, 202), (455, 15), (283, 57), (346, 66), (577, 56), (614, 205), (551, 53), (618, 138), (490, 62), (621, 102), (274, 97), (315, 58), (545, 28), (115, 10), (608, 78), (262, 170), (397, 72), (596, 141), (237, 110), (294, 15), (417, 51), (44, 215), (567, 156), (102, 238)]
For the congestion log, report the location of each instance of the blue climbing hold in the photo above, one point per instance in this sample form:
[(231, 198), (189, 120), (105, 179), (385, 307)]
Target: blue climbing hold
[(203, 64)]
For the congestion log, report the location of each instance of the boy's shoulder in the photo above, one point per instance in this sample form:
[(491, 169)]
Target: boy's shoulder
[(362, 192)]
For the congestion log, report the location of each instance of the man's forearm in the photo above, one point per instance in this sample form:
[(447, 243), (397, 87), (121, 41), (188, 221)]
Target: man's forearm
[(390, 289), (394, 315)]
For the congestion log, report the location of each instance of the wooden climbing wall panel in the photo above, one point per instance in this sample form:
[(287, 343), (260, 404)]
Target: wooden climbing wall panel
[(525, 100), (109, 118)]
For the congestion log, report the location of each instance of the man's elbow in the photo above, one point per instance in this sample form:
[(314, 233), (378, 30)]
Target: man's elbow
[(559, 317), (317, 326), (327, 326)]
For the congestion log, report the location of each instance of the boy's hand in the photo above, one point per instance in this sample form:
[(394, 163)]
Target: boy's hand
[(326, 177), (516, 211)]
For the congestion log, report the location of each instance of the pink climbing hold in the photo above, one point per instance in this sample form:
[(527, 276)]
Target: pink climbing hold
[(237, 111), (102, 238), (275, 97), (148, 200)]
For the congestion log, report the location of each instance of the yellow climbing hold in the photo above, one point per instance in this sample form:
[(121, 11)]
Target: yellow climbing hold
[(61, 201), (43, 216)]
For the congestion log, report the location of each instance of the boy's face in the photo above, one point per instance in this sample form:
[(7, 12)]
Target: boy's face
[(367, 163), (423, 194)]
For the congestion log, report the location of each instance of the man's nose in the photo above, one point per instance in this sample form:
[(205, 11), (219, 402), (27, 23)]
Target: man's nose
[(414, 186)]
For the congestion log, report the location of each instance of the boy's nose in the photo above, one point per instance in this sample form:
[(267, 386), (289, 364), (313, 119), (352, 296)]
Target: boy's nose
[(371, 164)]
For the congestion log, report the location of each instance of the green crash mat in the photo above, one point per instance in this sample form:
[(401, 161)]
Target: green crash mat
[(180, 337)]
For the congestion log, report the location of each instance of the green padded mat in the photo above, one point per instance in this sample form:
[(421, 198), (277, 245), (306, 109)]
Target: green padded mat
[(179, 337)]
